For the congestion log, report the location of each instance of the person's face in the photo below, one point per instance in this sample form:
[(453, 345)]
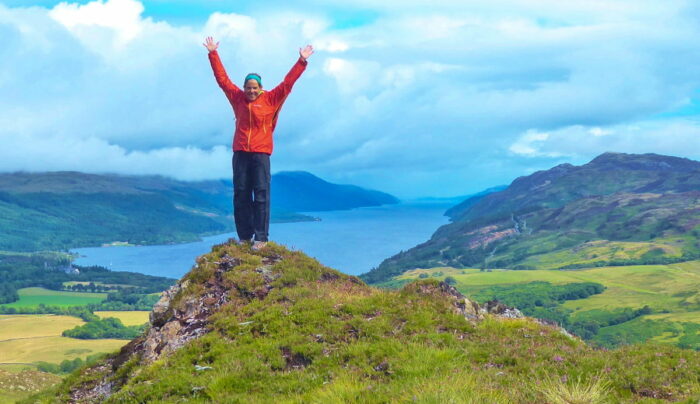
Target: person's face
[(252, 89)]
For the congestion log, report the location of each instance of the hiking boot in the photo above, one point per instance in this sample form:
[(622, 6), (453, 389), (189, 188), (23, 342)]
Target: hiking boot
[(259, 245)]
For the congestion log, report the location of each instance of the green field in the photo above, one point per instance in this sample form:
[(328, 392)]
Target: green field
[(127, 317), (32, 297), (671, 291)]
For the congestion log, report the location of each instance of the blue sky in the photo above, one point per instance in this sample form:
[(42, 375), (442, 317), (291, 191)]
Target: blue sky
[(411, 97)]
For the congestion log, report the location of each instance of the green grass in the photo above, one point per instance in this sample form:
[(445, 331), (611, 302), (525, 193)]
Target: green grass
[(33, 297), (320, 336), (682, 317)]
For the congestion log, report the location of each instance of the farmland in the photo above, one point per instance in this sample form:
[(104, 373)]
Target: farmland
[(33, 297), (32, 326), (127, 317), (53, 349), (28, 339), (25, 339)]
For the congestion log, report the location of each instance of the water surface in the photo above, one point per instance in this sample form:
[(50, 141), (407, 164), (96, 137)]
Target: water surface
[(351, 241)]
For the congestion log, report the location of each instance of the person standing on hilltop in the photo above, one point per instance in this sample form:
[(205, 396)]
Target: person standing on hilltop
[(256, 113)]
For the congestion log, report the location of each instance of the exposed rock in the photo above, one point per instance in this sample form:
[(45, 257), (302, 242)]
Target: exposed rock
[(93, 392), (176, 320), (161, 310), (501, 310), (466, 307), (472, 311), (294, 360), (172, 327)]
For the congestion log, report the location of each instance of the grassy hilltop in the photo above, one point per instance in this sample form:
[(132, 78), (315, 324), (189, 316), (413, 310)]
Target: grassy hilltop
[(276, 326)]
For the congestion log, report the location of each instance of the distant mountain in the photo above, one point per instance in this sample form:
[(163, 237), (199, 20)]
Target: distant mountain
[(617, 209), (300, 191), (59, 210), (459, 209), (456, 200)]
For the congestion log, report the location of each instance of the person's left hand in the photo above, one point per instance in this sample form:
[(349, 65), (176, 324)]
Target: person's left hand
[(306, 51)]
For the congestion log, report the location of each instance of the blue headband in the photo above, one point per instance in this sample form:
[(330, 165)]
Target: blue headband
[(253, 77)]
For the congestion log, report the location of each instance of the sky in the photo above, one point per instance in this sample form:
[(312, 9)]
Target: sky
[(412, 97)]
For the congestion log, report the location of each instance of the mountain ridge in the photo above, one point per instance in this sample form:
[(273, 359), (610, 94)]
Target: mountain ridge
[(565, 207), (60, 210)]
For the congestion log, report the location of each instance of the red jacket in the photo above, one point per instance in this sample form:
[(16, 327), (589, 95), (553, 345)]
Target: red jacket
[(256, 120)]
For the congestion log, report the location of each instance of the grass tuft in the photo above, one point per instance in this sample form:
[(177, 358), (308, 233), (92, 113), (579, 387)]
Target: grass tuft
[(560, 391)]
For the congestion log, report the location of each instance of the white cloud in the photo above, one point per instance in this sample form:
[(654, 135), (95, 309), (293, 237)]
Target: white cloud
[(677, 136), (600, 132), (527, 145), (98, 156), (121, 16), (423, 99), (331, 45)]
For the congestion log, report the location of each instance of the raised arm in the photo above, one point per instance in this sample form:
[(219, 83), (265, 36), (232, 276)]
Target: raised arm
[(279, 93), (219, 72)]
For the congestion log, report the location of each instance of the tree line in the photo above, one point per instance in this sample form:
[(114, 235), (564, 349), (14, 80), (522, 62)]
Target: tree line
[(109, 327), (45, 270)]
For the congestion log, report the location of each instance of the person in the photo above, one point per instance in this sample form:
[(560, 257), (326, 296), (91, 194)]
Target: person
[(256, 113)]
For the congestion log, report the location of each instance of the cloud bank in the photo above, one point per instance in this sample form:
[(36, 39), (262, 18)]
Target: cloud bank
[(421, 99)]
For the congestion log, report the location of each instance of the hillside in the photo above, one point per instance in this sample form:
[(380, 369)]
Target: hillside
[(276, 326), (619, 209), (60, 210)]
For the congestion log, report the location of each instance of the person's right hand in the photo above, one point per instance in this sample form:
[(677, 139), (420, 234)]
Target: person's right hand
[(210, 44)]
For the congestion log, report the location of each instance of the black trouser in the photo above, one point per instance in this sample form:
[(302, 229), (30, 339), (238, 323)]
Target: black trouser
[(251, 194)]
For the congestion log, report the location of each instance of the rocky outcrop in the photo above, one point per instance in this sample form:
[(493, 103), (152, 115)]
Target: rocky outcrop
[(466, 307), (177, 318)]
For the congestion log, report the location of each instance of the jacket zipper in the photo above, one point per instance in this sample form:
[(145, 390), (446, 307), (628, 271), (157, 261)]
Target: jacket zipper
[(263, 126), (250, 124)]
